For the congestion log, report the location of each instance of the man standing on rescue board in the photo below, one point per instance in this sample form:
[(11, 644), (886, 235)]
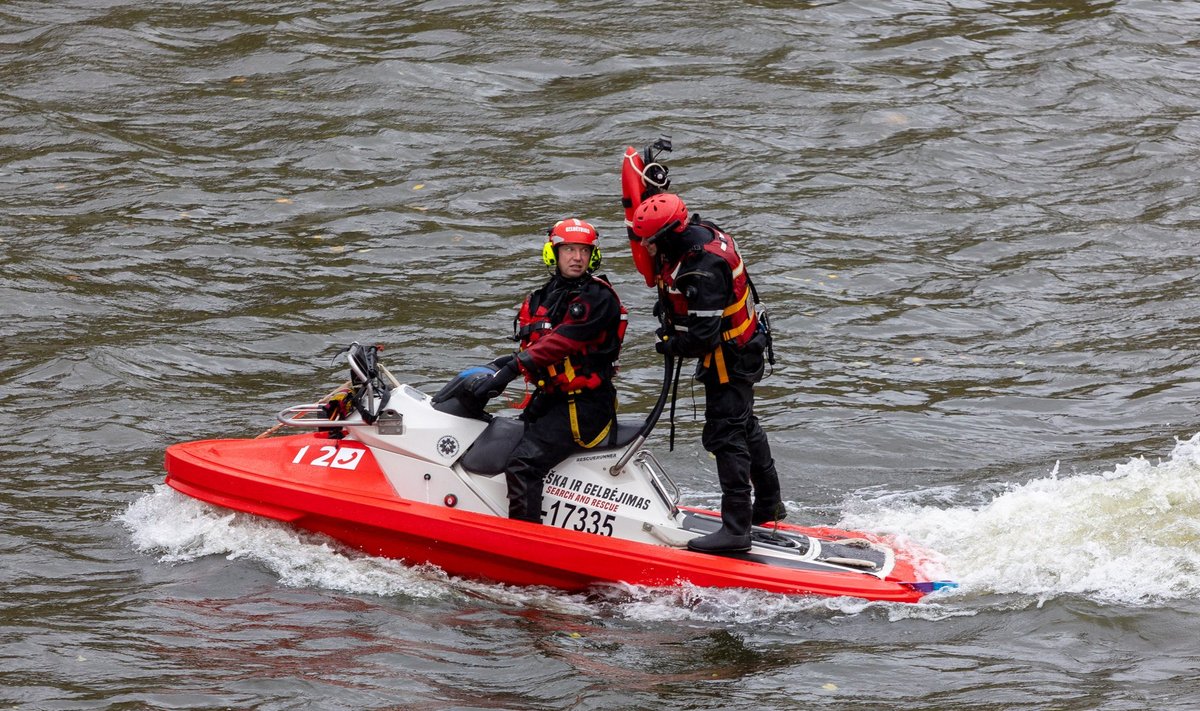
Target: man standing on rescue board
[(705, 294), (570, 332)]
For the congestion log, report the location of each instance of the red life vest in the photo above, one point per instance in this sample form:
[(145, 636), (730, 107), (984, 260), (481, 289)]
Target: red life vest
[(594, 363), (739, 319)]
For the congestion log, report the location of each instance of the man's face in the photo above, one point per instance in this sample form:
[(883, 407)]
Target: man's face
[(573, 259)]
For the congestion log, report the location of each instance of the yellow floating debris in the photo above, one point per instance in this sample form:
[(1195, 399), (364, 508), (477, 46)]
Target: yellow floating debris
[(284, 201), (829, 687), (418, 186), (918, 360)]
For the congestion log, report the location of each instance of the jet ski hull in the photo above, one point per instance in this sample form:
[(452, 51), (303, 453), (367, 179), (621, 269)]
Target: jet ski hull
[(358, 506)]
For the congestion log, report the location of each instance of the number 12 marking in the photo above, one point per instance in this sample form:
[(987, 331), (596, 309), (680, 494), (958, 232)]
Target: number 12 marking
[(336, 457)]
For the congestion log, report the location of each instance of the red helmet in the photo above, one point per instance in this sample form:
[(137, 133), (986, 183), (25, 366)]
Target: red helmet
[(659, 212), (571, 231)]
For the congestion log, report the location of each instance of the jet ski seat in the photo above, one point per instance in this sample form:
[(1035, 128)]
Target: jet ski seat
[(488, 454)]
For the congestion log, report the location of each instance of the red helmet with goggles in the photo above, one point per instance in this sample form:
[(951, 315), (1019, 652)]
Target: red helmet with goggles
[(571, 231), (664, 212)]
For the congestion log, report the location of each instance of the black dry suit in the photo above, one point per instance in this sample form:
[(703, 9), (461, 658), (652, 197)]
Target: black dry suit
[(706, 305), (570, 332)]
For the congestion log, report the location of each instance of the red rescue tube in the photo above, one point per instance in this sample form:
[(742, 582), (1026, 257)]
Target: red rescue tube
[(631, 196), (631, 182)]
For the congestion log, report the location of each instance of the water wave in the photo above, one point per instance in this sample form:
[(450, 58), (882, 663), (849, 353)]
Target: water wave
[(1125, 536)]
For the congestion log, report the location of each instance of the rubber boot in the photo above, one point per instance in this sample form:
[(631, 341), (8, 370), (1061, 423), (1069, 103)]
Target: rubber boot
[(720, 541), (767, 513), (767, 504), (734, 534)]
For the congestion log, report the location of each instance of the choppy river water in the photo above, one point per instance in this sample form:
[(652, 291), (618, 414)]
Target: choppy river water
[(975, 223)]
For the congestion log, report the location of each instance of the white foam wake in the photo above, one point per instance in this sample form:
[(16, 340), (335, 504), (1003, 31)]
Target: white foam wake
[(178, 529), (1130, 535)]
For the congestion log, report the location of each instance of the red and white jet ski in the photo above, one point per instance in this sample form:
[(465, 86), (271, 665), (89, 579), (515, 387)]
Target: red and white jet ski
[(404, 475)]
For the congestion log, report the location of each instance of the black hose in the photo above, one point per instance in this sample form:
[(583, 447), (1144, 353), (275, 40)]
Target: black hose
[(674, 397), (657, 410)]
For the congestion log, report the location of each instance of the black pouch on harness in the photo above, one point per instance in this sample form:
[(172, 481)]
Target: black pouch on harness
[(747, 362), (758, 342)]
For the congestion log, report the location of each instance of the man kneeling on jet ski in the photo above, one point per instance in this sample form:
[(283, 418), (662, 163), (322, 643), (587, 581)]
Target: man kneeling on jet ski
[(570, 331)]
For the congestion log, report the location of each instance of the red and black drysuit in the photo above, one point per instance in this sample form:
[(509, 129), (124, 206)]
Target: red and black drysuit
[(712, 318), (570, 332)]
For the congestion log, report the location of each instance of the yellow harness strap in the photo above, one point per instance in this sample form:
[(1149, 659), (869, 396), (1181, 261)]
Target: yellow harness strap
[(568, 371), (732, 309), (575, 428), (718, 355)]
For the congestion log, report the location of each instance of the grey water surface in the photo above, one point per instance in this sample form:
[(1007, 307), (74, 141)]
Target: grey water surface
[(974, 222)]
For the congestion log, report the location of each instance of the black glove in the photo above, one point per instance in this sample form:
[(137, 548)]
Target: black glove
[(663, 340), (506, 370)]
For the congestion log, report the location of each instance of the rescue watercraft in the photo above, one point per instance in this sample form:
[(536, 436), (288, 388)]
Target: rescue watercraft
[(387, 469)]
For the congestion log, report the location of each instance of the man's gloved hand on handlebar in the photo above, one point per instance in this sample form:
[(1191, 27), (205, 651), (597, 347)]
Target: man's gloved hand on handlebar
[(506, 371)]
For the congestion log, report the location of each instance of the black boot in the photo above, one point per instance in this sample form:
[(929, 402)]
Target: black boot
[(764, 478), (767, 513), (734, 534), (720, 541)]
